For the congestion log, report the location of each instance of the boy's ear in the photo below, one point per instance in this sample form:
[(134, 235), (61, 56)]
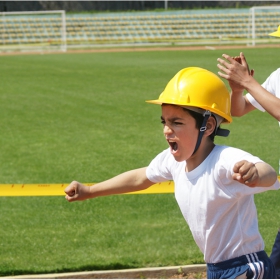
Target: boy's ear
[(210, 125)]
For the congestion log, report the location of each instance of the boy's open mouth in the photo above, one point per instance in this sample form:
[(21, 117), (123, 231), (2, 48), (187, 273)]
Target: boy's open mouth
[(173, 145)]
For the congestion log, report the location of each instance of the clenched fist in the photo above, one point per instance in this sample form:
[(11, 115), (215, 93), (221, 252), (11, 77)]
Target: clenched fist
[(77, 191), (246, 173)]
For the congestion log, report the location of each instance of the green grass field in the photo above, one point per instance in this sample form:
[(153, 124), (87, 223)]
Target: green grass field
[(83, 117)]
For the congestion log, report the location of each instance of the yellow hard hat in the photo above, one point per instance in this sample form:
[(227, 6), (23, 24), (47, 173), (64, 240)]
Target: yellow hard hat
[(200, 88), (276, 33)]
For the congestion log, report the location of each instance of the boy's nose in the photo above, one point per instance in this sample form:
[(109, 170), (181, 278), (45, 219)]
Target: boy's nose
[(167, 130)]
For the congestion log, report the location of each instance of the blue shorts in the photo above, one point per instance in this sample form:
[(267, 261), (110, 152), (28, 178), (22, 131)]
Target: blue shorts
[(251, 266)]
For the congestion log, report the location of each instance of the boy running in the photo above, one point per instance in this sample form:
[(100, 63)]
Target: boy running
[(214, 185)]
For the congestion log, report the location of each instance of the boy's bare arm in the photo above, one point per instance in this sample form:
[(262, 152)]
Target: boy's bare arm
[(130, 181), (260, 174), (267, 100), (240, 105)]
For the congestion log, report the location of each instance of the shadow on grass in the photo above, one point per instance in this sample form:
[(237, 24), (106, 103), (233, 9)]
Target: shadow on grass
[(114, 266)]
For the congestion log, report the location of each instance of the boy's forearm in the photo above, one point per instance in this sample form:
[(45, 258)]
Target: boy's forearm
[(267, 100), (267, 175), (134, 180), (237, 103)]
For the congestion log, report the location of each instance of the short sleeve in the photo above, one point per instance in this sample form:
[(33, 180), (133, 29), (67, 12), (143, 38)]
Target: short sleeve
[(159, 170)]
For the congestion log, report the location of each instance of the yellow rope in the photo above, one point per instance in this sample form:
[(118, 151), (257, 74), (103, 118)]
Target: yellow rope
[(58, 189)]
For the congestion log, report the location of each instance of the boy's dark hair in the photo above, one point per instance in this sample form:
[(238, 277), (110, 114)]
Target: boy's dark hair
[(199, 120)]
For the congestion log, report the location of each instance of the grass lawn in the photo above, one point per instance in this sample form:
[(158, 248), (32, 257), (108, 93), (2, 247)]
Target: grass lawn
[(83, 117)]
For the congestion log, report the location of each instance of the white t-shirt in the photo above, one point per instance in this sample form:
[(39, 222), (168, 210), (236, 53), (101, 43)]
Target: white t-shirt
[(220, 212), (272, 84)]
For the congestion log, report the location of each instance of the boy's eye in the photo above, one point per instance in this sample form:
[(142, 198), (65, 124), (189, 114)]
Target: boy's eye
[(174, 123)]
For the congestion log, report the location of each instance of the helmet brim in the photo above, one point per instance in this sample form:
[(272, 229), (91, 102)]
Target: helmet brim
[(227, 119), (156, 101)]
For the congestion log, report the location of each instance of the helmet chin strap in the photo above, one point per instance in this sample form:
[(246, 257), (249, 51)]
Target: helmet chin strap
[(202, 129)]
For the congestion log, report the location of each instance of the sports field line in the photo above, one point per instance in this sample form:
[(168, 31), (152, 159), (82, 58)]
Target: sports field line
[(58, 189)]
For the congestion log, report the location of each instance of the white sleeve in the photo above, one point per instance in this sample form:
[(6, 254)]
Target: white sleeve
[(159, 169)]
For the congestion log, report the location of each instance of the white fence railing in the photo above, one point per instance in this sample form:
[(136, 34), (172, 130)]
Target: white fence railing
[(56, 30)]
